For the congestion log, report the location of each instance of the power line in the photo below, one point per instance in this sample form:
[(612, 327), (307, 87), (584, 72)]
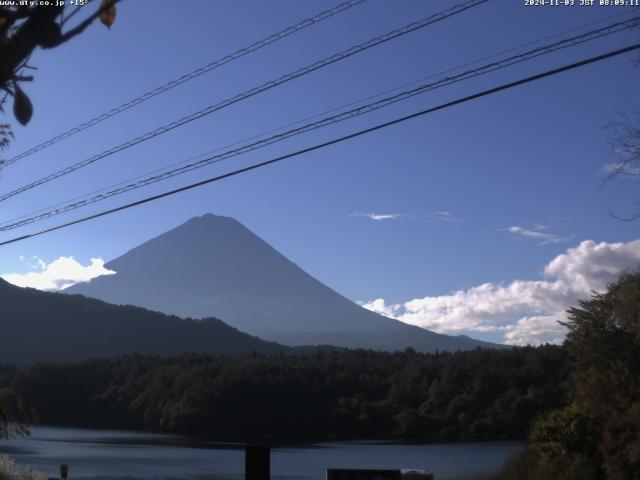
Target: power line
[(361, 110), (250, 93), (317, 115), (319, 146), (190, 76)]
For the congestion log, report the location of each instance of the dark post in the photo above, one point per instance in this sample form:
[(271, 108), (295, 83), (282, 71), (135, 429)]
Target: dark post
[(64, 471), (257, 463)]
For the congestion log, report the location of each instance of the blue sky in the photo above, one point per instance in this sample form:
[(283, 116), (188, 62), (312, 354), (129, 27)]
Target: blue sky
[(530, 158)]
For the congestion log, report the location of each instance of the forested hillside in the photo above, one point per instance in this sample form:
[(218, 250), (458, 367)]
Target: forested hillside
[(475, 395), (41, 326)]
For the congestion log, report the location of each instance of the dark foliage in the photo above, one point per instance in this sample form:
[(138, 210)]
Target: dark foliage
[(15, 415), (597, 435), (475, 395), (26, 27)]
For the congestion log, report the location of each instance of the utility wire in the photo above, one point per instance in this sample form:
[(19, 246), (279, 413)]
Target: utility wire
[(334, 141), (250, 93), (317, 115), (361, 110), (189, 76)]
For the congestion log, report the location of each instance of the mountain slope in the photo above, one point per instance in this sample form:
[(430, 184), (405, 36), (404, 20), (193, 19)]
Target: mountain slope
[(40, 326), (214, 266)]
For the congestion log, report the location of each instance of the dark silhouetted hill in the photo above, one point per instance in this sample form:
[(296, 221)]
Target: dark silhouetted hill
[(40, 326)]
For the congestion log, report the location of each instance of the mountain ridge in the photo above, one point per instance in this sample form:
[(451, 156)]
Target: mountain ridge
[(44, 326), (215, 266)]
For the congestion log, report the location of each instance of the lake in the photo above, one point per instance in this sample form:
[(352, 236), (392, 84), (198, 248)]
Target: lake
[(106, 453)]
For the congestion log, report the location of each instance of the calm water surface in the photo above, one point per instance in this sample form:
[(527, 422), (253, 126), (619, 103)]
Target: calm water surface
[(104, 453)]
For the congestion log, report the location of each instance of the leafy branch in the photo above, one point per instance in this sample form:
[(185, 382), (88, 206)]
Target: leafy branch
[(25, 28), (15, 414)]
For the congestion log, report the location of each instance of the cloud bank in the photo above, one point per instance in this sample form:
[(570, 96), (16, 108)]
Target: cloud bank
[(523, 311), (59, 274)]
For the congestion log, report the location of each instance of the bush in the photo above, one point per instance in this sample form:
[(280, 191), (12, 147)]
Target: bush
[(10, 470), (531, 465)]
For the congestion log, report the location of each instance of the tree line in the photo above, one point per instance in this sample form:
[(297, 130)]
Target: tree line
[(483, 394)]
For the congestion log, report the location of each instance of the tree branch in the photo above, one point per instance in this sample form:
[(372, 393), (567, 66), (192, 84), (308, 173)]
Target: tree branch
[(623, 219), (78, 29), (40, 29)]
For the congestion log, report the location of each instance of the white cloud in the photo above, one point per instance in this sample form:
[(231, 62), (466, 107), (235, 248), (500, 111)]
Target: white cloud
[(591, 266), (379, 306), (34, 263), (524, 311), (378, 216), (439, 216), (546, 238), (538, 329), (444, 216), (59, 274)]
